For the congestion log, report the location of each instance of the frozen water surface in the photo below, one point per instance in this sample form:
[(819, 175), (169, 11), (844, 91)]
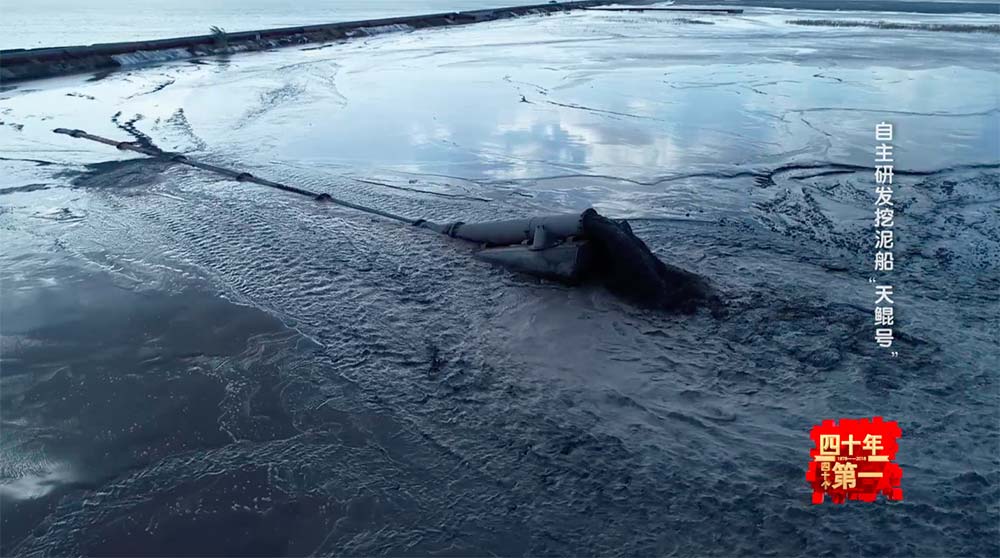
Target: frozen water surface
[(199, 366)]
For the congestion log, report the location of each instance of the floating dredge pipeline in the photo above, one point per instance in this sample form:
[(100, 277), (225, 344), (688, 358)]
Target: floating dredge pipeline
[(571, 248)]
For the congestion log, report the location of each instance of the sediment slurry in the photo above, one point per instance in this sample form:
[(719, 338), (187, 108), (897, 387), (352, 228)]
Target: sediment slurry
[(203, 367)]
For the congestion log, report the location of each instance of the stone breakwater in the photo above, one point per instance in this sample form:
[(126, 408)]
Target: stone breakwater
[(25, 64)]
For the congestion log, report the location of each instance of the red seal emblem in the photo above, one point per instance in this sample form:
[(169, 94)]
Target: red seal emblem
[(854, 460)]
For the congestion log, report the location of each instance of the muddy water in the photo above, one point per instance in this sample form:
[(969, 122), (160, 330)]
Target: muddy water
[(194, 366)]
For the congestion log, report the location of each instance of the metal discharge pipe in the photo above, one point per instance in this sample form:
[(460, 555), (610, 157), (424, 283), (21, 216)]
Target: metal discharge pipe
[(541, 231), (570, 248), (516, 231), (233, 174)]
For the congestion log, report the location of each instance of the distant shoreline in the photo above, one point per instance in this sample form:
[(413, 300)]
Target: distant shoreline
[(900, 6), (38, 63), (942, 27)]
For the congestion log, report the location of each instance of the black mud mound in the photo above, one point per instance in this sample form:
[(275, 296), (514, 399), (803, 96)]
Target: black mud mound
[(129, 173), (629, 269)]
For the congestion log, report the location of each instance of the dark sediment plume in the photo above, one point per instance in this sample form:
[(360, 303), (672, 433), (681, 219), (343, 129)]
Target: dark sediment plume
[(628, 268)]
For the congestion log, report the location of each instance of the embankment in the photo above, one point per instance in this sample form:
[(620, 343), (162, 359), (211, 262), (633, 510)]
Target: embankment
[(24, 64)]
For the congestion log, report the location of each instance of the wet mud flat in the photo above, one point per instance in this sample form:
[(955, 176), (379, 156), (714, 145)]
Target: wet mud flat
[(308, 398), (197, 366)]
